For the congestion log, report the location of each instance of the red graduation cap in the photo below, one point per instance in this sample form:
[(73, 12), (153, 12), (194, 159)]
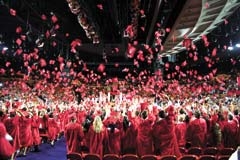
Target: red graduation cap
[(144, 106), (72, 116), (170, 110)]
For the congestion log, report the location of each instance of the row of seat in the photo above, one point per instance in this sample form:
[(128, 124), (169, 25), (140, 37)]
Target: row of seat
[(207, 151), (88, 156)]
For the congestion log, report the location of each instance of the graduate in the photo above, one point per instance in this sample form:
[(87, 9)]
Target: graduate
[(230, 132), (35, 132), (12, 127), (97, 136), (128, 136), (180, 130), (164, 136), (52, 129), (113, 143), (74, 134), (25, 130), (6, 149), (144, 138), (197, 130)]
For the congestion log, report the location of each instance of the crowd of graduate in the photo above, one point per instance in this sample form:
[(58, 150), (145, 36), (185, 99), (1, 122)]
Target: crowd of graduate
[(102, 129)]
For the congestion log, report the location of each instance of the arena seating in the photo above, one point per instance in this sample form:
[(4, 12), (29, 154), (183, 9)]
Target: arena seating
[(74, 156), (149, 157), (130, 157), (210, 151), (226, 151), (168, 157), (111, 157), (207, 157), (195, 151), (188, 157), (89, 156)]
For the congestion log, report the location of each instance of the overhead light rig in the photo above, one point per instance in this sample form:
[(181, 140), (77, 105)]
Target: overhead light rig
[(84, 20)]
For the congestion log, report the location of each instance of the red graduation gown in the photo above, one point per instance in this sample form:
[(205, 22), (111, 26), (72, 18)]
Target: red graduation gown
[(96, 141), (164, 138), (113, 142), (43, 125), (25, 131), (180, 133), (128, 139), (12, 126), (52, 129), (197, 130), (35, 130), (74, 135), (230, 134), (144, 138), (6, 149)]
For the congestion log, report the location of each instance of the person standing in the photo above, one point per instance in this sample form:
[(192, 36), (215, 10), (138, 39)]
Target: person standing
[(197, 130), (113, 142), (128, 136), (25, 136), (6, 149), (144, 135), (12, 127), (74, 135), (230, 132), (97, 136), (52, 129), (180, 129), (35, 132), (164, 135)]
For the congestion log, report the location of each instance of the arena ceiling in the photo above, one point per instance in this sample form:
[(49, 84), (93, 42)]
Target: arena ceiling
[(95, 32)]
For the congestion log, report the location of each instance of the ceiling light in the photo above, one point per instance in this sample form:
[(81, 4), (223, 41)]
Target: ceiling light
[(5, 48), (238, 45), (230, 48)]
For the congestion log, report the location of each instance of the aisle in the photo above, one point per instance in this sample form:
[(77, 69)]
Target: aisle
[(58, 152)]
